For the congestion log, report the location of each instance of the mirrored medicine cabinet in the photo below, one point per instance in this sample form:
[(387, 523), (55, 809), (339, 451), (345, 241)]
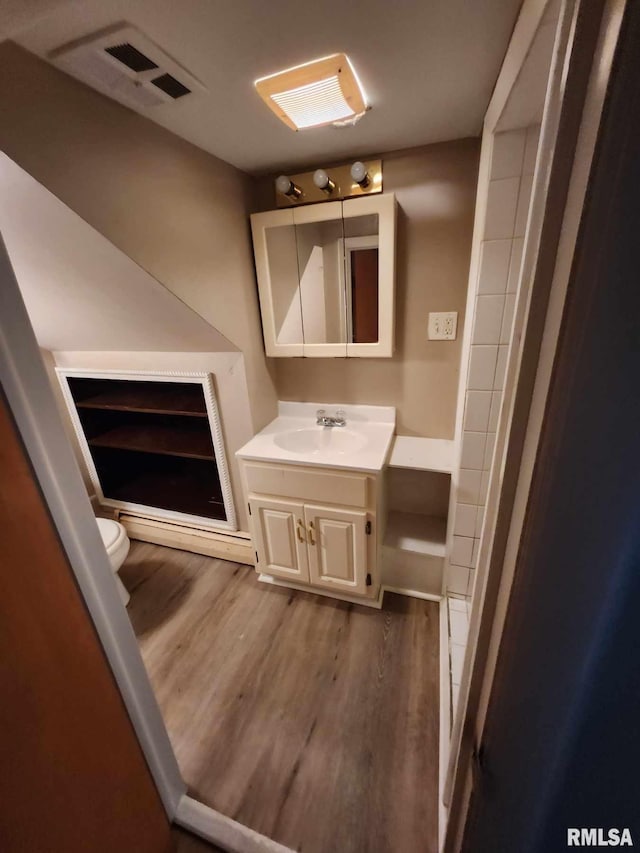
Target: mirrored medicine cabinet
[(326, 278)]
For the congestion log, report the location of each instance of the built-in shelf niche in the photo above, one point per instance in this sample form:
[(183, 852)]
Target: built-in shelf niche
[(419, 486), (153, 444)]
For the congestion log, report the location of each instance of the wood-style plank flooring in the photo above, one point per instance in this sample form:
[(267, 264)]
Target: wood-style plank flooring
[(313, 721)]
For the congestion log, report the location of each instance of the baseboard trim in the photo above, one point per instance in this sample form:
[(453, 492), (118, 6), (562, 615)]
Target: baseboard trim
[(445, 721), (236, 548), (412, 593), (223, 831)]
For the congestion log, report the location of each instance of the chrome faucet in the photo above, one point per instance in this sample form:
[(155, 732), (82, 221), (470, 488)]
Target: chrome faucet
[(322, 419)]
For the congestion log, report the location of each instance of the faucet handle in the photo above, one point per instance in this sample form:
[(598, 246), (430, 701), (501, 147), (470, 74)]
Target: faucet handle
[(340, 413), (320, 413)]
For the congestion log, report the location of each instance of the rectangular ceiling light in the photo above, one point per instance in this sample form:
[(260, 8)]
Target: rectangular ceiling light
[(321, 92)]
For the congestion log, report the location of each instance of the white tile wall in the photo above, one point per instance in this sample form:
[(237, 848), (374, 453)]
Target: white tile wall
[(494, 266), (458, 579), (466, 519), (501, 367), (514, 264), (522, 211), (530, 150), (508, 198), (502, 202), (494, 413), (482, 367), (476, 410), (473, 444), (507, 318), (508, 154), (462, 551), (487, 320), (469, 485)]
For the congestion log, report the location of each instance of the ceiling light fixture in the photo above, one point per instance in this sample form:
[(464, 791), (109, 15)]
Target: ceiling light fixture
[(325, 91), (285, 185)]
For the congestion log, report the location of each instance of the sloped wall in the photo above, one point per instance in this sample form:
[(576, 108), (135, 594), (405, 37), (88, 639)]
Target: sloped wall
[(175, 210)]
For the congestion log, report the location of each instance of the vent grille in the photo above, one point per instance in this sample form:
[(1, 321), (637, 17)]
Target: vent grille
[(170, 86), (130, 56), (315, 103)]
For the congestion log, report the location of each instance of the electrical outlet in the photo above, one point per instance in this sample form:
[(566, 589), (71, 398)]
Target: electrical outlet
[(443, 326)]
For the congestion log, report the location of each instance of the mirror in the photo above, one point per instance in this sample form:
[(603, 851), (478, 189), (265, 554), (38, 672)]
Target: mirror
[(320, 270), (361, 287), (326, 278), (283, 267)]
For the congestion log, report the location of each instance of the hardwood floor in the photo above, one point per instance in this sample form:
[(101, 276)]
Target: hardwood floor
[(313, 721)]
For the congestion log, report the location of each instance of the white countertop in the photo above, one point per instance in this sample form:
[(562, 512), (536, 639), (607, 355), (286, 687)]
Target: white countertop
[(363, 444)]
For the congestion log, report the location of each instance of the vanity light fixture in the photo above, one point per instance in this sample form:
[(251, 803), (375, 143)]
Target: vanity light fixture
[(324, 91), (323, 181), (285, 185), (359, 174)]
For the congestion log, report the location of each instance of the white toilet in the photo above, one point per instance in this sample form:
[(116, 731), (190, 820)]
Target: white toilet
[(117, 544)]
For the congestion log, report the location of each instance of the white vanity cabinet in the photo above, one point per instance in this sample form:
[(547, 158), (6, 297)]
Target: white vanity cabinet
[(316, 528), (326, 277)]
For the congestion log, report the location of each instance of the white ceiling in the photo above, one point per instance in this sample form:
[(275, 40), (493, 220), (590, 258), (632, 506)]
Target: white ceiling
[(428, 66)]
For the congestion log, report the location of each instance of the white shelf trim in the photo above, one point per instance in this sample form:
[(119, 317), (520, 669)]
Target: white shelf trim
[(423, 454)]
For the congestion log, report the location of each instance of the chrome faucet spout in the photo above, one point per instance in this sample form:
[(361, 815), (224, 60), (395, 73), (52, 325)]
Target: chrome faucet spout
[(325, 420)]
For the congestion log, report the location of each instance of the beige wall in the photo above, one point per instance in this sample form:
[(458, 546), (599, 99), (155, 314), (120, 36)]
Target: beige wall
[(81, 292), (435, 187), (178, 212)]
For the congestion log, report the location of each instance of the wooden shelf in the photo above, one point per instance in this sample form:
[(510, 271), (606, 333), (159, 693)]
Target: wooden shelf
[(161, 398), (418, 534), (176, 490), (423, 454), (159, 439)]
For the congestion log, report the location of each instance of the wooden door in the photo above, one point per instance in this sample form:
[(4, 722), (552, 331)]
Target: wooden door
[(337, 546), (280, 539), (73, 778)]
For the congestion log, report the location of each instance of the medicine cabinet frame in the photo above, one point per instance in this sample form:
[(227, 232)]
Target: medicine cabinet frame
[(384, 207)]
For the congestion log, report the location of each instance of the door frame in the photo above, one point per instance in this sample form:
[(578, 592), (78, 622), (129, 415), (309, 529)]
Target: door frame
[(31, 400), (547, 258)]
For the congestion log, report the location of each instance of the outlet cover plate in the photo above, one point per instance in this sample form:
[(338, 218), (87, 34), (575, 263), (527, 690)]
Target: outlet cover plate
[(443, 325)]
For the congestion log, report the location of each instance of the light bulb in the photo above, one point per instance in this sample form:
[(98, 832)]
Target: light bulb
[(285, 185), (323, 181), (359, 173)]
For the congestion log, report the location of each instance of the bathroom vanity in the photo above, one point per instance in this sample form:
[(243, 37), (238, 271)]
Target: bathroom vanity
[(315, 497)]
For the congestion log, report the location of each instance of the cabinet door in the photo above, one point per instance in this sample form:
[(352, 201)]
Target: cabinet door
[(280, 539), (337, 548)]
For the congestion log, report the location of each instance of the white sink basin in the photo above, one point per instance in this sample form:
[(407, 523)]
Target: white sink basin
[(293, 437), (317, 440)]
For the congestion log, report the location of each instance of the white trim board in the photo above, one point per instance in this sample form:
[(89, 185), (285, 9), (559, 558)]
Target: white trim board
[(34, 408), (219, 829), (205, 380)]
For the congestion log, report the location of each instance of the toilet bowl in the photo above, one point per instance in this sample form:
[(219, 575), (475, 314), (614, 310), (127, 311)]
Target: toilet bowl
[(117, 544)]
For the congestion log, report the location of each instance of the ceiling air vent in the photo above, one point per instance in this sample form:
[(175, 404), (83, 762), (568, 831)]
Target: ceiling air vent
[(124, 64), (131, 57), (170, 86)]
